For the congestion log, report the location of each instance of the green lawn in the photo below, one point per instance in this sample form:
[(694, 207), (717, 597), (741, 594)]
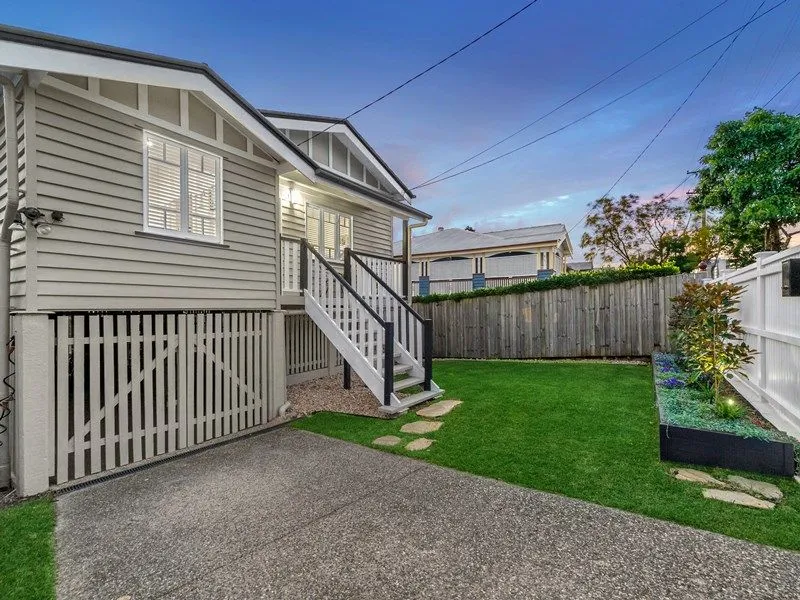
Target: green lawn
[(586, 430), (26, 545)]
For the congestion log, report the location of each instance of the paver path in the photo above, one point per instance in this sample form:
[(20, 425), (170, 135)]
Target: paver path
[(290, 514)]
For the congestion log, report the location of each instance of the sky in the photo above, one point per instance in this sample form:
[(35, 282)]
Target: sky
[(331, 58)]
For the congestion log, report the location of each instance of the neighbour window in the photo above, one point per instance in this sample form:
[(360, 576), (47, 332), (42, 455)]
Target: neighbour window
[(182, 190), (329, 231)]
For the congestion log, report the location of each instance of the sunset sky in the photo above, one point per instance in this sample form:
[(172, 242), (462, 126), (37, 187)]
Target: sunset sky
[(332, 57)]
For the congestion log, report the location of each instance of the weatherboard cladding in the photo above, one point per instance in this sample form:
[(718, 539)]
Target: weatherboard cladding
[(89, 165), (372, 230)]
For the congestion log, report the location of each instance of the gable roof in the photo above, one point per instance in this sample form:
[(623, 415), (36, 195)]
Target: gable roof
[(277, 114), (93, 57), (456, 239)]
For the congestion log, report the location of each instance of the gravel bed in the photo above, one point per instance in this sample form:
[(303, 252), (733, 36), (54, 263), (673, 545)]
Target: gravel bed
[(327, 394)]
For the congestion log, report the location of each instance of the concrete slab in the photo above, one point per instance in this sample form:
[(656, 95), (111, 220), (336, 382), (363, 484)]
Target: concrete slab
[(289, 514)]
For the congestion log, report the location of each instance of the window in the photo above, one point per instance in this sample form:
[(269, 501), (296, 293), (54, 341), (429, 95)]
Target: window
[(182, 190), (328, 231)]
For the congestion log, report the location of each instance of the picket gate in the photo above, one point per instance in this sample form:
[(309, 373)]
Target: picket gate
[(133, 386)]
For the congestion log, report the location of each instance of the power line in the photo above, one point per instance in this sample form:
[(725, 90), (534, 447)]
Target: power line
[(579, 94), (785, 85), (600, 108), (678, 109), (430, 68)]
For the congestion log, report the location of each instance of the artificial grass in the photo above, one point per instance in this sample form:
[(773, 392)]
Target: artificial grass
[(26, 545), (585, 430)]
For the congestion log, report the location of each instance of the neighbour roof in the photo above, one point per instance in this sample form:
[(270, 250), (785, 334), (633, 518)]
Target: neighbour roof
[(455, 239), (585, 265)]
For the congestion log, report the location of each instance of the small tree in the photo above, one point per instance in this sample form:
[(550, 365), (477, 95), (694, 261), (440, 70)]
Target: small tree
[(707, 334)]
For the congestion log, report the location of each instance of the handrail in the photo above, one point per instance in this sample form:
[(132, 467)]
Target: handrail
[(304, 245), (378, 256), (383, 284)]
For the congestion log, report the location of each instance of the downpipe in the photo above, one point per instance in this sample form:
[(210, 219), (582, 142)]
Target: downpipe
[(9, 214)]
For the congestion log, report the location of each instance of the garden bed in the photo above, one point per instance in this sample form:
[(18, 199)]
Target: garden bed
[(691, 432)]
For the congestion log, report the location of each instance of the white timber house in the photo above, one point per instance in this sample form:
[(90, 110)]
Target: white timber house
[(174, 256), (457, 260)]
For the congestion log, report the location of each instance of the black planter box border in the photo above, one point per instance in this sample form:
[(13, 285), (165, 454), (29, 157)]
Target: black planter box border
[(721, 449)]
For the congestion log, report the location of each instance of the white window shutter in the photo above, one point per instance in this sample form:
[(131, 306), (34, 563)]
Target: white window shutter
[(313, 226), (163, 185), (202, 192)]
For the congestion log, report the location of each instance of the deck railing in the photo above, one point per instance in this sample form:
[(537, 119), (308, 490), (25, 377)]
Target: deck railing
[(290, 264)]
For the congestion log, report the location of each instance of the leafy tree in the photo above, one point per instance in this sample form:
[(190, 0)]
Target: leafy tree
[(751, 175), (632, 231)]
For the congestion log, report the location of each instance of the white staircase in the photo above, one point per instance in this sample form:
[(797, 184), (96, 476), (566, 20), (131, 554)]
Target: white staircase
[(378, 334)]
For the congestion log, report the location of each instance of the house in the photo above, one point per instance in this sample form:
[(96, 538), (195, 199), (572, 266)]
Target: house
[(171, 255), (453, 260)]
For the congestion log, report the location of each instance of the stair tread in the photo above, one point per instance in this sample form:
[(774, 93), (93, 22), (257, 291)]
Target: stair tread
[(400, 369), (409, 401), (407, 383)]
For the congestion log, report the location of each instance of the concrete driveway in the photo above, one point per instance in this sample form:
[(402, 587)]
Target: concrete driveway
[(289, 514)]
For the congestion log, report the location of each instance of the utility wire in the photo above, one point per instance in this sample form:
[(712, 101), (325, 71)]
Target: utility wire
[(429, 69), (785, 85), (578, 95), (677, 110), (604, 106)]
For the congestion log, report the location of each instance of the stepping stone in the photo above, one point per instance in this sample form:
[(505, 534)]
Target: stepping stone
[(695, 476), (419, 444), (739, 498), (387, 440), (438, 409), (761, 488), (419, 427)]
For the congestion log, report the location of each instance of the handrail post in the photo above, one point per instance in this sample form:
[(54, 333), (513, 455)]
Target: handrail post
[(427, 352), (303, 264), (347, 372), (388, 363)]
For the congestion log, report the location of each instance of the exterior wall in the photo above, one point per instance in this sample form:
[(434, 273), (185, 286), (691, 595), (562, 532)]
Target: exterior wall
[(372, 230), (90, 167)]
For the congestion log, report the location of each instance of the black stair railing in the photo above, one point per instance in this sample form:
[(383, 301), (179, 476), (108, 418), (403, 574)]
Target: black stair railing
[(407, 318)]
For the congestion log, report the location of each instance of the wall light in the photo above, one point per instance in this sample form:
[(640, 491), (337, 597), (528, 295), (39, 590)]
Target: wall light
[(38, 219), (292, 196)]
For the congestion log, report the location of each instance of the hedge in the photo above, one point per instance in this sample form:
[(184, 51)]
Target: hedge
[(567, 280)]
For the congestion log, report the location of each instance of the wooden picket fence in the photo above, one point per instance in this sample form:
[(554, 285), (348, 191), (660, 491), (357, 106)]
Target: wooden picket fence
[(129, 387), (611, 320), (309, 354)]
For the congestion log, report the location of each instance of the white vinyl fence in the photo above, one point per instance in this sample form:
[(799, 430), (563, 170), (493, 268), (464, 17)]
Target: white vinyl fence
[(772, 325), (129, 387)]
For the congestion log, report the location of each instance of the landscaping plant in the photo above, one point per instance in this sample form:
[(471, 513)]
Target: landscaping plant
[(708, 335)]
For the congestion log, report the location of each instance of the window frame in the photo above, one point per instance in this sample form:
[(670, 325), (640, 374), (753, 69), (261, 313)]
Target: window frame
[(183, 233), (319, 245)]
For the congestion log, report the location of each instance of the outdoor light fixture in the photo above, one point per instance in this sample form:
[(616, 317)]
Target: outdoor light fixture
[(292, 197), (17, 225), (38, 219)]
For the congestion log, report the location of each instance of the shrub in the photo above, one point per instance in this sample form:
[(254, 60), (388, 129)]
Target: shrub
[(707, 334), (567, 280)]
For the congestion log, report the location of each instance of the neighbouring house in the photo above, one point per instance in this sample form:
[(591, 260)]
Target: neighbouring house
[(455, 260), (580, 265), (173, 256)]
